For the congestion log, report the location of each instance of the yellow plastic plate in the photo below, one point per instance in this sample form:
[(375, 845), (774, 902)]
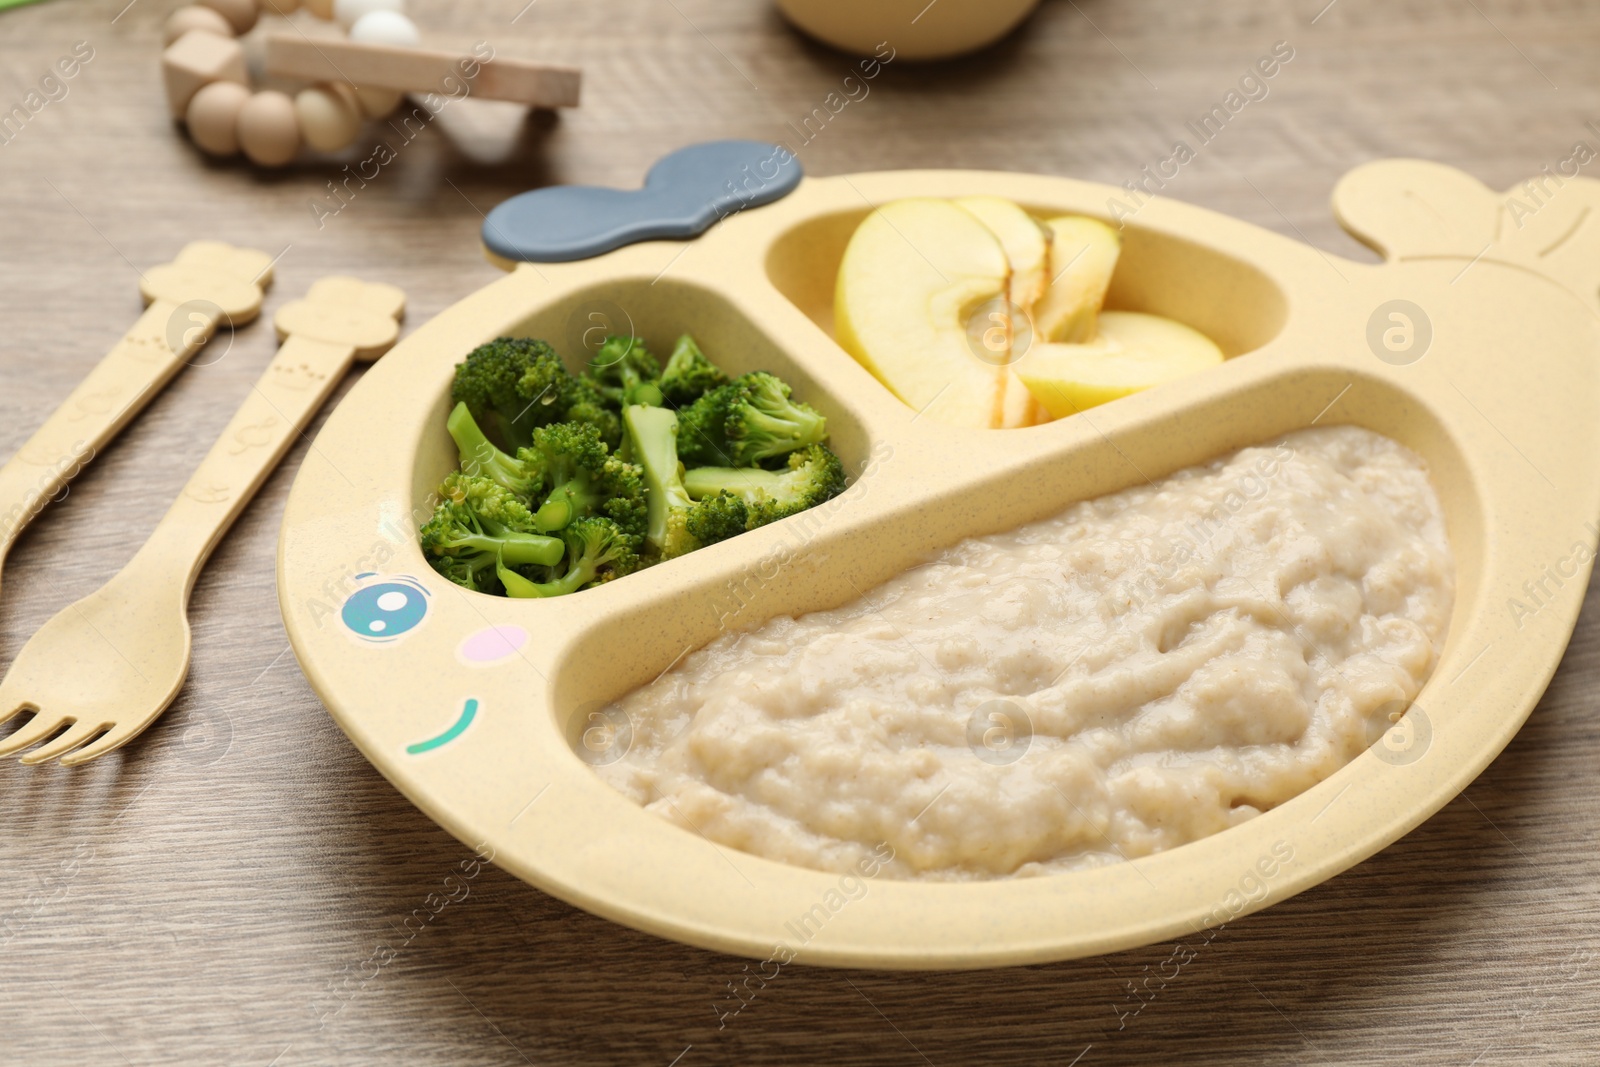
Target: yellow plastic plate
[(1475, 343)]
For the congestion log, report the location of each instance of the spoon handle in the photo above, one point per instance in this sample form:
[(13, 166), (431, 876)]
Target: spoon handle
[(207, 285), (324, 335)]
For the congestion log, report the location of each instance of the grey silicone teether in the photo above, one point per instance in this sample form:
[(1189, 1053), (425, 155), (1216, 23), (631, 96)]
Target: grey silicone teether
[(684, 193)]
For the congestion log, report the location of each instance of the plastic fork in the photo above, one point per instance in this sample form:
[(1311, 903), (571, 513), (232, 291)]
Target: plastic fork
[(105, 668), (208, 284)]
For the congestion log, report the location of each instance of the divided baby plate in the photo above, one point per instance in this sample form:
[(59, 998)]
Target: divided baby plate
[(1476, 343)]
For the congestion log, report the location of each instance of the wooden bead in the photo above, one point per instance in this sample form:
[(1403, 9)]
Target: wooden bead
[(378, 103), (213, 117), (241, 14), (322, 9), (281, 7), (199, 58), (268, 130), (194, 17), (329, 116)]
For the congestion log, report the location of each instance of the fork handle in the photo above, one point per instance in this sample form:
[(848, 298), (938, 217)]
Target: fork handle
[(130, 374), (296, 384)]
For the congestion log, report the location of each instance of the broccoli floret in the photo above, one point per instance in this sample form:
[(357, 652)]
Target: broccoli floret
[(764, 422), (544, 384), (689, 375), (565, 479), (514, 385), (676, 524), (717, 518), (702, 438), (480, 457), (511, 385), (465, 573), (478, 526), (814, 475), (563, 397), (652, 435), (599, 551), (584, 480), (625, 372), (749, 420), (585, 403), (491, 502)]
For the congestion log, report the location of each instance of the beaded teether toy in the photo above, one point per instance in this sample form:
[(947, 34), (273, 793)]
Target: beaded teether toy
[(208, 88)]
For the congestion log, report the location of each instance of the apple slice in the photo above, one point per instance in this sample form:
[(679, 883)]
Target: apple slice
[(912, 274), (1027, 246), (1083, 253), (1026, 243), (1132, 351)]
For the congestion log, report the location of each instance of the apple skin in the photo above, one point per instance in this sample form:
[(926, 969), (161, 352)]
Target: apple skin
[(911, 277), (1131, 352)]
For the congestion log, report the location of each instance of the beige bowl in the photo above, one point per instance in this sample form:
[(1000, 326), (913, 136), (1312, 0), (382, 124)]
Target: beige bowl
[(913, 29), (472, 705)]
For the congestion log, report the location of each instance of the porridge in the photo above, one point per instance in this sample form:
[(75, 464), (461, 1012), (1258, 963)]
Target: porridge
[(1137, 672)]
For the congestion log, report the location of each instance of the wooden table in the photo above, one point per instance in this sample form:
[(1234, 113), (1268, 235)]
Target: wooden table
[(232, 888)]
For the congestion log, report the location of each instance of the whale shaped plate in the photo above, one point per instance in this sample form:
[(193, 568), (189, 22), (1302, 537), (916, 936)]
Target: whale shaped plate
[(473, 705)]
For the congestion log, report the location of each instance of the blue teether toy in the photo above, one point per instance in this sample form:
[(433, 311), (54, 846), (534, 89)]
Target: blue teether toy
[(684, 193)]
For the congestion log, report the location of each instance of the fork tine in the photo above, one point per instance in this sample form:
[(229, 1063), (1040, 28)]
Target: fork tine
[(36, 729), (11, 705), (79, 733), (114, 738)]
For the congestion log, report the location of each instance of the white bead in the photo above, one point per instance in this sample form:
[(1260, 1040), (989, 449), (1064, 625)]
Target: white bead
[(385, 27), (349, 12)]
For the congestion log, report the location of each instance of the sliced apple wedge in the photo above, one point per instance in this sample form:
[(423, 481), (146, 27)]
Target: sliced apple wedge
[(911, 276), (1132, 352), (1083, 254), (1027, 246)]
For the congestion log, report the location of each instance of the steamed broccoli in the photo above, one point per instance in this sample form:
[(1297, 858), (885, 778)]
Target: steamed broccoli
[(599, 550), (749, 420), (676, 523), (717, 518), (652, 438), (689, 375), (514, 385), (584, 402), (480, 457), (510, 386), (814, 475), (584, 480), (478, 526), (625, 372), (490, 501), (565, 479)]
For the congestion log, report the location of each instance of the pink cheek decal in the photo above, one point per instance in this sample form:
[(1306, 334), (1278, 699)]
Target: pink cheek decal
[(492, 645)]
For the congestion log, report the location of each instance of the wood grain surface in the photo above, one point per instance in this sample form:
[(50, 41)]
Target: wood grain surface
[(233, 888)]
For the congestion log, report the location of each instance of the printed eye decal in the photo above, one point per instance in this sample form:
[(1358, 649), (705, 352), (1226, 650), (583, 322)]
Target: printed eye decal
[(386, 610)]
